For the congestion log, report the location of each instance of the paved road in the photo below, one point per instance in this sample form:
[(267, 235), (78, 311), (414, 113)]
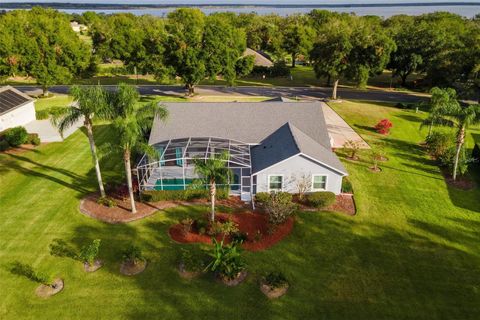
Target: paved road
[(292, 92)]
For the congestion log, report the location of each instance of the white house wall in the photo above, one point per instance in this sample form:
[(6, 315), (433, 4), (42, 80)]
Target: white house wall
[(18, 117), (295, 167)]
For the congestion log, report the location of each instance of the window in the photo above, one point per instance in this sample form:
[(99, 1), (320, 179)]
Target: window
[(275, 183), (319, 182), (179, 155)]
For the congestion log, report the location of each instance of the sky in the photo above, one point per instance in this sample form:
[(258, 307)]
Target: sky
[(242, 1)]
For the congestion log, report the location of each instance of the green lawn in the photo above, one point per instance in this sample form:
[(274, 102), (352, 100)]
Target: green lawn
[(412, 252)]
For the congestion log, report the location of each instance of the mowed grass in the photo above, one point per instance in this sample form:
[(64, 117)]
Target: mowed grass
[(412, 251)]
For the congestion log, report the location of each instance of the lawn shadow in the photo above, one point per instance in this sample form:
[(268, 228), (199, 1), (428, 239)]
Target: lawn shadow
[(467, 199)]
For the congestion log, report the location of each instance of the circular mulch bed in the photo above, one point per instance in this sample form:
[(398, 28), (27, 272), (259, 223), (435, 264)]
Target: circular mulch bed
[(372, 169), (273, 293), (462, 182), (44, 291), (254, 225), (92, 268), (129, 269), (236, 281)]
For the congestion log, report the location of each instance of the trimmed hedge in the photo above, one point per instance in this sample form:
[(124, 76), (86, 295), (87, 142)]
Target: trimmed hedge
[(16, 136), (181, 195), (4, 146), (321, 199), (347, 185), (33, 139)]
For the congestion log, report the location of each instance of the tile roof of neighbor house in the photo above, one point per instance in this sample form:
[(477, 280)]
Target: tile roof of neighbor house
[(260, 59), (289, 141), (248, 122), (11, 98)]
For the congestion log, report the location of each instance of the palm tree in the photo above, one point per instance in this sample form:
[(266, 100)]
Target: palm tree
[(463, 117), (214, 170), (441, 102), (130, 123), (90, 103)]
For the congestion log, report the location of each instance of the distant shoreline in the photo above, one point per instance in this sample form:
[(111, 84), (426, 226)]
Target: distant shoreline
[(112, 6)]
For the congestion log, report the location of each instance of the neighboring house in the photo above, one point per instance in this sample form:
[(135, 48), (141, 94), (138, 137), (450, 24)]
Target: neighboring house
[(77, 27), (261, 59), (272, 145), (16, 108)]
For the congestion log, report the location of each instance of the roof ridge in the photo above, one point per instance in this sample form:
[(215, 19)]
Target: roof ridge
[(294, 137)]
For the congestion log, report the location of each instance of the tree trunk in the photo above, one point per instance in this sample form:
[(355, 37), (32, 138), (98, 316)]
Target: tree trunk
[(293, 60), (430, 128), (191, 89), (93, 149), (460, 142), (44, 90), (213, 194), (128, 171), (404, 79), (335, 87)]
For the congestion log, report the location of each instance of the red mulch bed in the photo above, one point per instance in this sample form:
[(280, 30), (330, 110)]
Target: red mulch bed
[(344, 203), (121, 213), (463, 182), (21, 149), (248, 222)]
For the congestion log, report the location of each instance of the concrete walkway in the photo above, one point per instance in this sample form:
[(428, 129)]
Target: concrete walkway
[(339, 131), (48, 133)]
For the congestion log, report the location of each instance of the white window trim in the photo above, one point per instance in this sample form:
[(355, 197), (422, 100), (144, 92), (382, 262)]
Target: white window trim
[(275, 175), (313, 181)]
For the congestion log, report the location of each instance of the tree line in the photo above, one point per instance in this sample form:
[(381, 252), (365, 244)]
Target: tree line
[(187, 44)]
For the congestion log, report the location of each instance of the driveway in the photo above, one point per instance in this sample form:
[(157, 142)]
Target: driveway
[(339, 131)]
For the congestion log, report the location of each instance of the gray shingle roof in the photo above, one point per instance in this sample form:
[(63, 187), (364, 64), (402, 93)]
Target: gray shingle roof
[(246, 122), (287, 142), (260, 59), (11, 98)]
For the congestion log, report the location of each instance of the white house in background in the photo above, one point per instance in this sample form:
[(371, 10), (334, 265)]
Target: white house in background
[(272, 146), (77, 27), (16, 108)]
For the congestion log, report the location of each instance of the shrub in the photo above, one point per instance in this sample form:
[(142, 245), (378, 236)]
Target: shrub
[(447, 159), (29, 272), (384, 126), (321, 199), (275, 280), (201, 225), (4, 145), (181, 195), (16, 136), (229, 227), (133, 255), (476, 152), (42, 114), (107, 202), (192, 261), (227, 260), (89, 253), (262, 197), (438, 143), (239, 237), (33, 139), (347, 185), (187, 225), (279, 207)]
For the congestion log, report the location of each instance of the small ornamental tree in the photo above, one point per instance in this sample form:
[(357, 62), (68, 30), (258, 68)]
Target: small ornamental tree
[(90, 252), (352, 146), (383, 127), (279, 207), (133, 255)]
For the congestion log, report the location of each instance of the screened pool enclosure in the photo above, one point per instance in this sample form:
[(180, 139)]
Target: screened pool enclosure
[(174, 169)]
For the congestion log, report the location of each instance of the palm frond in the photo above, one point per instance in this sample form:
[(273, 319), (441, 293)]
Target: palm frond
[(66, 119)]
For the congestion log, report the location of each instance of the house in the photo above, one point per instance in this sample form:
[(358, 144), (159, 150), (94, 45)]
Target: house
[(271, 147), (16, 108), (261, 59), (78, 27)]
